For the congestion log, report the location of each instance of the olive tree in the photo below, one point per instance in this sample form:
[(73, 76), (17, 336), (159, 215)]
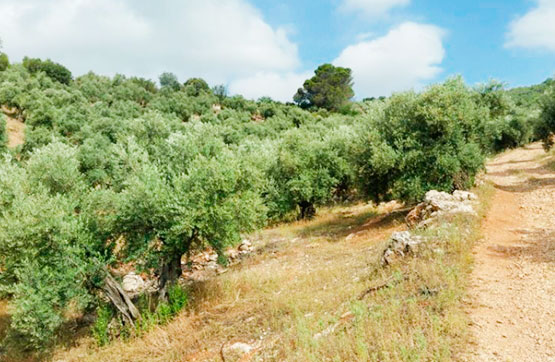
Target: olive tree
[(546, 127), (424, 141)]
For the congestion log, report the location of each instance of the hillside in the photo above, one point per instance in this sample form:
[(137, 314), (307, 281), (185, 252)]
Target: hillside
[(307, 276), (115, 191)]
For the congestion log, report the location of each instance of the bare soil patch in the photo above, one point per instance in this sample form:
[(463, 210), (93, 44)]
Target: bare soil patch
[(513, 282)]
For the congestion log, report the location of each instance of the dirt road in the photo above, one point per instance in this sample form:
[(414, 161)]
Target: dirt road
[(513, 283)]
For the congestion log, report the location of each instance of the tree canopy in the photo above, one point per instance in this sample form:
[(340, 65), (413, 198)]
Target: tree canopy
[(169, 81), (330, 88)]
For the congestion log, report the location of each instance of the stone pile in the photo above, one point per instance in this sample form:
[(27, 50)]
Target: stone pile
[(436, 205), (204, 265), (400, 244)]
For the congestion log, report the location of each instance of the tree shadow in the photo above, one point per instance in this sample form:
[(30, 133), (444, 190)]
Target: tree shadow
[(528, 185), (537, 245), (508, 162), (540, 170)]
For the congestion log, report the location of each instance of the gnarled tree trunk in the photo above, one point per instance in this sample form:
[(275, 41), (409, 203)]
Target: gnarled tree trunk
[(120, 300), (169, 274)]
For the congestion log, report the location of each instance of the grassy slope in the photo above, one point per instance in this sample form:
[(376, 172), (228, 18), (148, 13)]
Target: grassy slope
[(303, 279)]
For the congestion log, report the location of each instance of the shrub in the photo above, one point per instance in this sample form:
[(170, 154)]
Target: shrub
[(100, 329), (4, 62), (55, 71), (194, 87), (546, 125), (3, 134)]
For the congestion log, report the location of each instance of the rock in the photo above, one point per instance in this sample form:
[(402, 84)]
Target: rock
[(437, 203), (232, 254), (236, 351), (416, 215), (401, 243), (464, 196), (133, 283), (245, 246)]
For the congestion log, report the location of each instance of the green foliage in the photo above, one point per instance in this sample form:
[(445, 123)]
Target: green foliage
[(178, 298), (107, 326), (305, 174), (100, 329), (546, 126), (194, 87), (426, 141), (331, 88), (55, 71), (169, 80), (4, 61), (220, 91), (3, 134)]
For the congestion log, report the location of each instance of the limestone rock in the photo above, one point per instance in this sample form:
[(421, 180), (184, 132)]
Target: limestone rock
[(133, 283), (437, 203), (401, 243), (237, 351)]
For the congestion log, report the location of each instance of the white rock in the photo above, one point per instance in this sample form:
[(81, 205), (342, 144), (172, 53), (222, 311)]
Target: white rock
[(401, 243), (464, 196), (237, 350), (133, 283)]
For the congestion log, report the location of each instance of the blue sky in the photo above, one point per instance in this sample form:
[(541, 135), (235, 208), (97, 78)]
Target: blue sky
[(264, 47), (475, 38)]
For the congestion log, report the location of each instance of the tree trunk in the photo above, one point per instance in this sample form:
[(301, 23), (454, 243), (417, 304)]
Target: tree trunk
[(307, 210), (169, 274), (120, 300)]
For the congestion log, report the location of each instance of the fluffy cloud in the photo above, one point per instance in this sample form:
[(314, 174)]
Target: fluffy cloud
[(372, 8), (402, 59), (278, 86), (219, 40), (535, 29)]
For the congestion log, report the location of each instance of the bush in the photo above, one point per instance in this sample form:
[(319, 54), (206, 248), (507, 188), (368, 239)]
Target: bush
[(100, 329), (4, 62), (546, 125), (3, 135), (55, 71)]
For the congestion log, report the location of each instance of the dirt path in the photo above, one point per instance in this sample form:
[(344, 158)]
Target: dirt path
[(513, 283)]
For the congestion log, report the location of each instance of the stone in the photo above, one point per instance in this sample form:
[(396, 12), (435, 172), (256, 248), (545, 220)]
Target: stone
[(245, 246), (464, 196), (438, 203), (133, 283), (400, 244), (237, 351)]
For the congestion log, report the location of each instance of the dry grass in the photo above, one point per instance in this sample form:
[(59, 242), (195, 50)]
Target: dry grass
[(16, 131), (307, 276)]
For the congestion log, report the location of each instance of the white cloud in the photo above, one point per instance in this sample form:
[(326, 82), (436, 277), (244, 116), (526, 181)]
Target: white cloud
[(220, 40), (402, 59), (372, 8), (535, 29), (278, 86)]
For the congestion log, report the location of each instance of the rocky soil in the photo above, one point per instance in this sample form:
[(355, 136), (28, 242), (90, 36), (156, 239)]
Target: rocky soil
[(513, 283)]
